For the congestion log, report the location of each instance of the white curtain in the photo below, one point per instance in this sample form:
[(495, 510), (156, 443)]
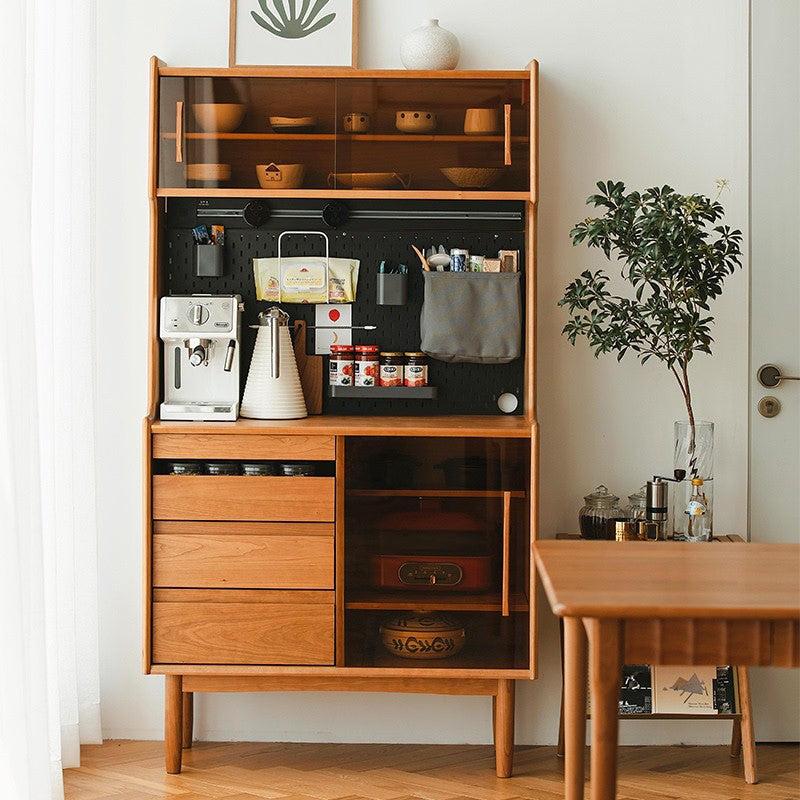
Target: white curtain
[(49, 676)]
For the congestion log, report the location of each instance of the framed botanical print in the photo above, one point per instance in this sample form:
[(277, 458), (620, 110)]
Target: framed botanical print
[(293, 33)]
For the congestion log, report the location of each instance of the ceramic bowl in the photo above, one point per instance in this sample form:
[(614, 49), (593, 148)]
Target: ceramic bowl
[(482, 121), (219, 117), (355, 122), (280, 176), (415, 121), (472, 177), (209, 173), (423, 636), (293, 124), (369, 180)]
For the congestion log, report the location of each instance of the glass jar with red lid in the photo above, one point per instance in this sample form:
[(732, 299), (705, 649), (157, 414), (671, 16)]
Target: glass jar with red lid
[(341, 365), (367, 365)]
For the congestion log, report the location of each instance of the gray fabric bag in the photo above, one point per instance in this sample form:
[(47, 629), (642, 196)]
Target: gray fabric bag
[(473, 317)]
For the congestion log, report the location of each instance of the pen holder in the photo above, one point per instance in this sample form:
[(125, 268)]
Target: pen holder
[(392, 289), (209, 260)]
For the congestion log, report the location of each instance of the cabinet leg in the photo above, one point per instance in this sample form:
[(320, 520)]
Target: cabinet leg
[(748, 733), (560, 747), (173, 723), (188, 719), (504, 729), (605, 668), (573, 715), (736, 738)]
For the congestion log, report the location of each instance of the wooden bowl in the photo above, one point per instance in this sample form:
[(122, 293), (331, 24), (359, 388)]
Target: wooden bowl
[(208, 172), (219, 117), (472, 177), (280, 176), (415, 121), (293, 124), (369, 180), (423, 636)]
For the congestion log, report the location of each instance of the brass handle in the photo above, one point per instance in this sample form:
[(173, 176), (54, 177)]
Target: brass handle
[(506, 551), (770, 376), (179, 131), (507, 134)]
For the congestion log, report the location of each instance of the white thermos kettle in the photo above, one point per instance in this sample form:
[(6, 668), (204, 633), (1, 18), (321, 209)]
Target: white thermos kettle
[(273, 389)]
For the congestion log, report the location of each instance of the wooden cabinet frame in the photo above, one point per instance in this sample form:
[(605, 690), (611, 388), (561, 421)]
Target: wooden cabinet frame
[(325, 435)]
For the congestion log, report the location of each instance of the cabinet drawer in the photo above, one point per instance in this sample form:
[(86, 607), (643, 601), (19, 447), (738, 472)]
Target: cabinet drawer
[(243, 555), (227, 626), (235, 497), (243, 446)]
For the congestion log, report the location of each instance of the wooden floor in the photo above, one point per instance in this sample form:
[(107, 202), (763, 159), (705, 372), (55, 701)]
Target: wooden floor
[(132, 770)]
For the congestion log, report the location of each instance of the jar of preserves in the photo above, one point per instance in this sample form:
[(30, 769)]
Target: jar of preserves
[(601, 506), (416, 369), (367, 365), (340, 366), (392, 369)]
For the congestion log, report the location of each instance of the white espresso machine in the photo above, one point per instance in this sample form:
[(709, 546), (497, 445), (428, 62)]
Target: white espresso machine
[(201, 335)]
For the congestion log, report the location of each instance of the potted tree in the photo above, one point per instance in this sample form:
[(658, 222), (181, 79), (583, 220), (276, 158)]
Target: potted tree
[(675, 254)]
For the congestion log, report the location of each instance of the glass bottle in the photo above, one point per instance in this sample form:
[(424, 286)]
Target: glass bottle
[(637, 504), (600, 507), (697, 528), (695, 456)]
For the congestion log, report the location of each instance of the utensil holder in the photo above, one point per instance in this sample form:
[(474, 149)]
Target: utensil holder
[(392, 289), (209, 260)]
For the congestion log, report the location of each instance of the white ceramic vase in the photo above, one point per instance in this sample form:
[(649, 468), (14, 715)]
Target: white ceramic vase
[(429, 47)]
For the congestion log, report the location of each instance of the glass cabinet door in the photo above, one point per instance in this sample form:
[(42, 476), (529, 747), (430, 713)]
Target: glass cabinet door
[(436, 531), (246, 133), (432, 134)]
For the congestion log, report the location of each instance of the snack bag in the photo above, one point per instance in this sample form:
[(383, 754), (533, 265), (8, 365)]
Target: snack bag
[(304, 279)]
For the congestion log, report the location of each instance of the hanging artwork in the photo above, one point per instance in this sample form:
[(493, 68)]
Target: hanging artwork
[(289, 33)]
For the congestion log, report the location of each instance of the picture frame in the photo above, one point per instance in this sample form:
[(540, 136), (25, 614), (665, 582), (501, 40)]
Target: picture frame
[(293, 33)]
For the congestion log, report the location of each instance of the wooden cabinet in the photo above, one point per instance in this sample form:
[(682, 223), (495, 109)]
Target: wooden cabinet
[(261, 583)]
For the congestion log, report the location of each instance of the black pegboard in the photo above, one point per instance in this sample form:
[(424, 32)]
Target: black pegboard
[(462, 388)]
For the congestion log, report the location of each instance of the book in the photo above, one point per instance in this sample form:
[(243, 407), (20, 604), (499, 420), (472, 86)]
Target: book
[(684, 689), (636, 693), (725, 695)]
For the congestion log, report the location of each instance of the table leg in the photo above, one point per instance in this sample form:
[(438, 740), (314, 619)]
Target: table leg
[(173, 723), (574, 709), (560, 747), (188, 719), (504, 729), (736, 738), (748, 732), (605, 669)]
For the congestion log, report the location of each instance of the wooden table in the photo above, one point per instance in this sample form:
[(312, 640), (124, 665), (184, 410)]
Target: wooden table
[(660, 603)]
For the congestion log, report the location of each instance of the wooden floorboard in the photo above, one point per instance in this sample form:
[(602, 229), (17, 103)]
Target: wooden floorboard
[(129, 770)]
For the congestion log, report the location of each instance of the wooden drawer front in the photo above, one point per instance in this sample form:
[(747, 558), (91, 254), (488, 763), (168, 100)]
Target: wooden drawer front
[(239, 497), (243, 555), (243, 446), (226, 626)]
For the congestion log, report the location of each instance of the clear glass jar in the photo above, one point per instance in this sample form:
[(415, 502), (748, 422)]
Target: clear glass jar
[(696, 457), (637, 505), (601, 506)]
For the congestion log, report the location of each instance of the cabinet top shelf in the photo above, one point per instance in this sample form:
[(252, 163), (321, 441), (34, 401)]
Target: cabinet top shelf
[(518, 427), (356, 137)]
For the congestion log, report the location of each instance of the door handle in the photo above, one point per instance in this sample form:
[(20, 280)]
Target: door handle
[(770, 376)]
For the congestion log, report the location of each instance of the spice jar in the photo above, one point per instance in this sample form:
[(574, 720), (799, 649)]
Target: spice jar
[(222, 468), (367, 365), (600, 507), (185, 468), (391, 369), (416, 369), (340, 366)]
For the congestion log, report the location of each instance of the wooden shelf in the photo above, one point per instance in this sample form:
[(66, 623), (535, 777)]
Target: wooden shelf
[(478, 493), (463, 138), (353, 194), (498, 427), (377, 600), (675, 716)]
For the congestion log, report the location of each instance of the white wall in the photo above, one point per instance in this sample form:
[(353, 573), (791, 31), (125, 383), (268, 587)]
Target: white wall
[(639, 90)]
